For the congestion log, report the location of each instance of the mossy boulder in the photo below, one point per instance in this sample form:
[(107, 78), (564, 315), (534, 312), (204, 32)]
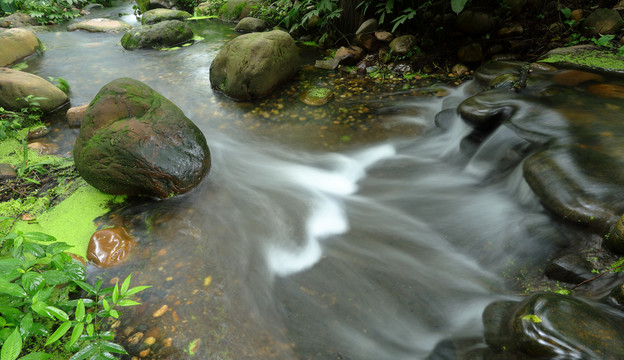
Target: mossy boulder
[(159, 15), (254, 65), (17, 44), (16, 85), (586, 57), (235, 9), (161, 35), (133, 141)]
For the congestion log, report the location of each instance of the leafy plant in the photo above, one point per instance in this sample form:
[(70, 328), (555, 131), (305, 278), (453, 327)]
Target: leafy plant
[(61, 83), (50, 11), (13, 121), (40, 302)]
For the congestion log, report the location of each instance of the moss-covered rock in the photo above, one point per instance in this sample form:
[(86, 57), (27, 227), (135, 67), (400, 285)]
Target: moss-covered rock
[(133, 141), (586, 57), (254, 65), (161, 35), (235, 9), (159, 15)]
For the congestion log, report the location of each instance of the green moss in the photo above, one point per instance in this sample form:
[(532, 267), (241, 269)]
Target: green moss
[(319, 92), (72, 221), (595, 59)]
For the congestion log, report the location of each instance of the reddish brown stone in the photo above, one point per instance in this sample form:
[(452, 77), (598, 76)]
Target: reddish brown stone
[(109, 246), (74, 115), (607, 90), (349, 55), (575, 77)]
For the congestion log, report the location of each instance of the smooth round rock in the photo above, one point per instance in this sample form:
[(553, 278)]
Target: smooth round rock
[(250, 24), (158, 15), (100, 25), (160, 35), (16, 85), (109, 247), (17, 44)]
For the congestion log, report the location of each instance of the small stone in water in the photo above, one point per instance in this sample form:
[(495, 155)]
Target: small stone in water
[(161, 311), (109, 246)]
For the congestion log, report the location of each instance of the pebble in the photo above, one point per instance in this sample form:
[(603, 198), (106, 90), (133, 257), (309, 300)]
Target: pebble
[(160, 311), (150, 340)]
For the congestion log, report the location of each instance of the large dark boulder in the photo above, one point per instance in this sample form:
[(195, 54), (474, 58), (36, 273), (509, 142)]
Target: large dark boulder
[(254, 65), (134, 141), (160, 35)]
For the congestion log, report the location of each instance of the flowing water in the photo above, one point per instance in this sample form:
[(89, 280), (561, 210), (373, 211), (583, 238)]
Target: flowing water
[(354, 231)]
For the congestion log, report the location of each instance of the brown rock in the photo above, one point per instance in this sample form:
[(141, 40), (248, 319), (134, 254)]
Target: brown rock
[(349, 55), (511, 30), (109, 246), (74, 116), (44, 148), (7, 172), (575, 77), (576, 15), (100, 25), (403, 44), (330, 64), (368, 41), (470, 53), (17, 44), (602, 21), (38, 132), (384, 36), (459, 69), (607, 90)]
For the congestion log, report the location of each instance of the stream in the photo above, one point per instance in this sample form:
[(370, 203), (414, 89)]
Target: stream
[(359, 230)]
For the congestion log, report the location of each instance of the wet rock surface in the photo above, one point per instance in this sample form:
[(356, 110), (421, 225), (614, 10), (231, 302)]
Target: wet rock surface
[(109, 247), (158, 15), (133, 141), (554, 326), (254, 65), (17, 44)]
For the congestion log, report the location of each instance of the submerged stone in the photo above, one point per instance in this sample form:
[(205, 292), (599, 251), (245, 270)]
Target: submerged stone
[(554, 326), (316, 96), (109, 247), (133, 141)]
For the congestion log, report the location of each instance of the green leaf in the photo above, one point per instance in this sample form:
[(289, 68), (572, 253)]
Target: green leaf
[(458, 5), (32, 281), (59, 332), (125, 286), (2, 322), (86, 287), (112, 347), (532, 318), (106, 305), (36, 356), (80, 310), (12, 346), (85, 352), (12, 289), (26, 324), (56, 277), (90, 329), (78, 329), (128, 303), (115, 294), (38, 236), (136, 289), (114, 313), (57, 313)]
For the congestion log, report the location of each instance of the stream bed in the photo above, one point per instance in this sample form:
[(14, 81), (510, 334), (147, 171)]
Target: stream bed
[(370, 228)]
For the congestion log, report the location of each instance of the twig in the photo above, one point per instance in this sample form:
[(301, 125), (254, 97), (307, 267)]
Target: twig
[(597, 276)]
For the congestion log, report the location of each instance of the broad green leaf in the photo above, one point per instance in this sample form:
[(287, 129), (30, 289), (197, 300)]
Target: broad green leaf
[(90, 329), (12, 346), (36, 356), (2, 322), (85, 352), (12, 289), (114, 313), (106, 305), (115, 294), (56, 277), (62, 329), (75, 270), (125, 285), (78, 329), (9, 311), (112, 347), (57, 313), (86, 287), (128, 303), (458, 5), (136, 289), (38, 236), (26, 324), (108, 356), (80, 310), (32, 281)]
